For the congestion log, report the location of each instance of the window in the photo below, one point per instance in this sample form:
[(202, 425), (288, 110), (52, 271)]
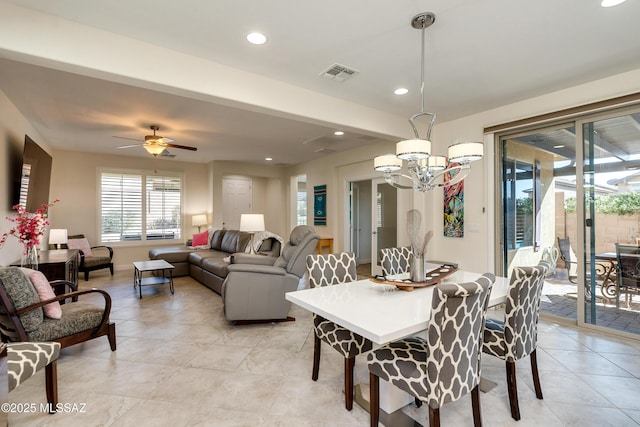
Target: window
[(128, 200), (301, 199)]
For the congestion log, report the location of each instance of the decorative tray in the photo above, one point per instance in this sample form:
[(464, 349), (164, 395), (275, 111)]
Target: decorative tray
[(433, 277)]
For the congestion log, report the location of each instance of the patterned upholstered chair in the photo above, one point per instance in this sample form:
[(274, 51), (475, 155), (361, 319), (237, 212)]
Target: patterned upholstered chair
[(445, 366), (25, 359), (396, 260), (516, 337), (327, 270), (22, 316)]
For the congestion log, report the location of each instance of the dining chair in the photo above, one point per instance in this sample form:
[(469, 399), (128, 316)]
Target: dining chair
[(516, 336), (445, 366), (628, 271), (395, 260), (23, 360), (328, 270)]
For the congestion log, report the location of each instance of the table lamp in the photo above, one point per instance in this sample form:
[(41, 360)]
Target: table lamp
[(251, 223), (58, 236), (199, 220)]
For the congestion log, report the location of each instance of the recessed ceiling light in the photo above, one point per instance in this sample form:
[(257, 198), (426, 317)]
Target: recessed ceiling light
[(610, 3), (558, 146), (256, 38), (338, 133), (401, 91), (268, 159)]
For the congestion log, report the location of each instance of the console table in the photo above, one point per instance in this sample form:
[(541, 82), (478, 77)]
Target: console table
[(58, 264)]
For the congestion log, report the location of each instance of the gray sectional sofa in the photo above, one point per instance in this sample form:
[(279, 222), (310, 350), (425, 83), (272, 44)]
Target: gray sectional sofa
[(208, 266)]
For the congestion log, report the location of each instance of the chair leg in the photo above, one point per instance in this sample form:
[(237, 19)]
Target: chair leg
[(374, 399), (536, 376), (513, 390), (111, 269), (317, 343), (475, 403), (51, 385), (111, 335), (434, 417), (86, 276), (349, 363)]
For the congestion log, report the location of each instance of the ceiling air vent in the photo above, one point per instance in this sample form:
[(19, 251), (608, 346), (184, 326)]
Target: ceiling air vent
[(324, 150), (338, 72)]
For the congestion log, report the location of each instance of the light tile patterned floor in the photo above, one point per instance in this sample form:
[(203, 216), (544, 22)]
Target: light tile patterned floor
[(179, 363)]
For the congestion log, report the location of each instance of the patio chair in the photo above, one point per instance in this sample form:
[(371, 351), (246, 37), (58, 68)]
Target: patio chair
[(628, 270), (444, 367), (327, 270), (568, 256)]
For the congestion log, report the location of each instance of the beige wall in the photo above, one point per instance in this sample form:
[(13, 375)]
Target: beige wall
[(13, 128), (474, 251)]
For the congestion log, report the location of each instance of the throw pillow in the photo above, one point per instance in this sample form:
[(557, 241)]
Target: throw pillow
[(45, 292), (82, 244), (200, 240)]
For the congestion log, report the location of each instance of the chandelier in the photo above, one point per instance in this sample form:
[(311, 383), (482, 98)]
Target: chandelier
[(426, 171)]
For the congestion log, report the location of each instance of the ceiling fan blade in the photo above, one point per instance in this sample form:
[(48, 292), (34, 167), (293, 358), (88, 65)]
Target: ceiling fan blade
[(182, 147), (124, 137), (130, 146), (166, 153), (166, 140)]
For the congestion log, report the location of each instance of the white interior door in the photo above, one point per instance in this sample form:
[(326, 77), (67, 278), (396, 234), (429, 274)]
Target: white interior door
[(384, 220), (236, 200)]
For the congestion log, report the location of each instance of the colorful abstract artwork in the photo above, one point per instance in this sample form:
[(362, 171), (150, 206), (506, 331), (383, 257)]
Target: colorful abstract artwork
[(453, 208), (320, 205)]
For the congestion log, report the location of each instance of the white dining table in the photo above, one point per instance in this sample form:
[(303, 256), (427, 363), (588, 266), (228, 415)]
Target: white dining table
[(382, 313)]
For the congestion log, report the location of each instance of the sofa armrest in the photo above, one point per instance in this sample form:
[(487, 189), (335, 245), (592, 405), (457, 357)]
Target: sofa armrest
[(257, 269), (251, 259)]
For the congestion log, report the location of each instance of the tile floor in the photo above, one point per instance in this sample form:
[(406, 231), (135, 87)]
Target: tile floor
[(179, 363)]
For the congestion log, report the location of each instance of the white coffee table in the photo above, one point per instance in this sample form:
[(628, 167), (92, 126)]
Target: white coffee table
[(152, 266)]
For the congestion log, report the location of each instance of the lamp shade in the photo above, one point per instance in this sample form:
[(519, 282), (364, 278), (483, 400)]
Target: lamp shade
[(58, 236), (413, 149), (252, 222), (465, 152), (387, 163), (199, 220), (434, 163)]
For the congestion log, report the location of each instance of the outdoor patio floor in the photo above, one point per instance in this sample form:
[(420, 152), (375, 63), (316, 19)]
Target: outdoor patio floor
[(559, 298)]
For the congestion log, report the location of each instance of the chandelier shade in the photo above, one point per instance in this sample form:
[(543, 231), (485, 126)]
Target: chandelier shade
[(387, 163), (413, 149), (426, 171)]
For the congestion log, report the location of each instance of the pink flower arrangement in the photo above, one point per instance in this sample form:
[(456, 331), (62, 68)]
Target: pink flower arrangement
[(28, 227)]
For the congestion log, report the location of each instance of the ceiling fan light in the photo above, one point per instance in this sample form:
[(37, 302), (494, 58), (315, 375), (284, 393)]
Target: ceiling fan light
[(465, 152), (413, 149), (387, 163), (154, 148)]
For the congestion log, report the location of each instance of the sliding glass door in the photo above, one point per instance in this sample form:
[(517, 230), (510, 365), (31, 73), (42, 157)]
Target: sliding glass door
[(570, 193)]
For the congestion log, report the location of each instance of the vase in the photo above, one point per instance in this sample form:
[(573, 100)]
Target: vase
[(417, 269), (30, 258)]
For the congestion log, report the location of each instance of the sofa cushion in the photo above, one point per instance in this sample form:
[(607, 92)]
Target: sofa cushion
[(45, 292), (22, 294), (216, 239), (81, 244), (230, 241), (200, 239), (171, 254), (216, 266)]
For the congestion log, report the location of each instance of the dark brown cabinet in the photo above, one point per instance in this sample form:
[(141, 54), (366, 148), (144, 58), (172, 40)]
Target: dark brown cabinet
[(58, 264)]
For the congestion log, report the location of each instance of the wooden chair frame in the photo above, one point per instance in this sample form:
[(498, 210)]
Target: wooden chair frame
[(105, 328)]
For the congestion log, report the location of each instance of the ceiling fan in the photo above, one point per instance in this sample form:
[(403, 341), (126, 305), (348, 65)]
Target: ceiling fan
[(156, 144)]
